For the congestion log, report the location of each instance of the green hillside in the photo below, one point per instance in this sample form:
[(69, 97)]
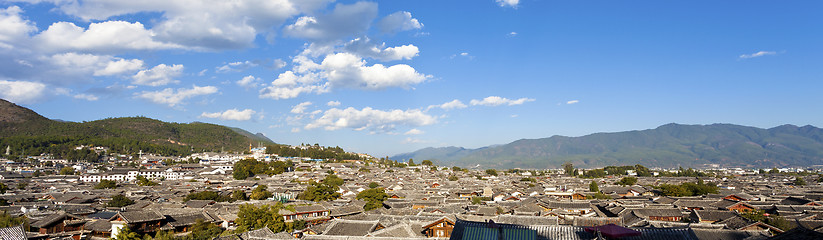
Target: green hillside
[(27, 132), (669, 145)]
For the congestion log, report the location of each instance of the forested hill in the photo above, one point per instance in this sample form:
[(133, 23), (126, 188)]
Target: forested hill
[(669, 145), (24, 130)]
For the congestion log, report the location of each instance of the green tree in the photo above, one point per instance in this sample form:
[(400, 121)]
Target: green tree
[(202, 230), (373, 185), (491, 172), (239, 195), (427, 162), (119, 200), (260, 193), (453, 178), (774, 171), (66, 171), (106, 184), (411, 162), (126, 234), (143, 181), (799, 181), (3, 188), (568, 168), (7, 220), (374, 198), (299, 225), (627, 181), (593, 187), (250, 217)]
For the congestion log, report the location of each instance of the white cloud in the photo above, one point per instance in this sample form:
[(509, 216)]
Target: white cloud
[(398, 21), (174, 97), (371, 119), (454, 104), (159, 75), (340, 70), (508, 3), (99, 37), (21, 91), (413, 131), (572, 102), (236, 66), (348, 70), (365, 48), (13, 27), (87, 97), (300, 108), (344, 20), (497, 101), (97, 65), (757, 54), (231, 114), (200, 24), (333, 103), (248, 81), (512, 34)]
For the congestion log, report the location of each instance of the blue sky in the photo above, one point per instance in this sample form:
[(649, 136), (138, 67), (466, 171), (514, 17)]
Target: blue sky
[(389, 77)]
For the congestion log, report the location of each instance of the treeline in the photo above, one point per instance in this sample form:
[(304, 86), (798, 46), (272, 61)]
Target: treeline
[(247, 168), (127, 135), (687, 189), (613, 170), (314, 152), (63, 147)]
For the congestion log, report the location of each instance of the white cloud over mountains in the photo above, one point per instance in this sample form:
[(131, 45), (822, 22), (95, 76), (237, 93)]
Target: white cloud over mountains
[(159, 75), (373, 120), (172, 97), (231, 114), (21, 91)]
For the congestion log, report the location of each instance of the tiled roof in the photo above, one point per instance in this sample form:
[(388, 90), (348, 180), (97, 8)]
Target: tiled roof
[(13, 233)]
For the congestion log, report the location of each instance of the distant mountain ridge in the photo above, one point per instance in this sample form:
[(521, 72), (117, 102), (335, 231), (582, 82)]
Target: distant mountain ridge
[(670, 145), (18, 123)]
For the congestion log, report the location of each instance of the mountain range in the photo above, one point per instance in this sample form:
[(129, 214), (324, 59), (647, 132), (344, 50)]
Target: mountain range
[(670, 145), (23, 128)]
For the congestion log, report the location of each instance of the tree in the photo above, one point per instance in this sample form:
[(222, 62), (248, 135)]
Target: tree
[(453, 178), (143, 181), (66, 171), (3, 188), (491, 172), (202, 230), (593, 187), (106, 184), (411, 162), (119, 200), (774, 171), (568, 168), (7, 220), (239, 195), (374, 198), (627, 181), (126, 234), (427, 162), (373, 185), (250, 217), (799, 181), (260, 193)]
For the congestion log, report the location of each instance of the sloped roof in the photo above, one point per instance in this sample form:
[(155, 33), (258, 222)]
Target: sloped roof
[(340, 227), (13, 233), (139, 216)]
